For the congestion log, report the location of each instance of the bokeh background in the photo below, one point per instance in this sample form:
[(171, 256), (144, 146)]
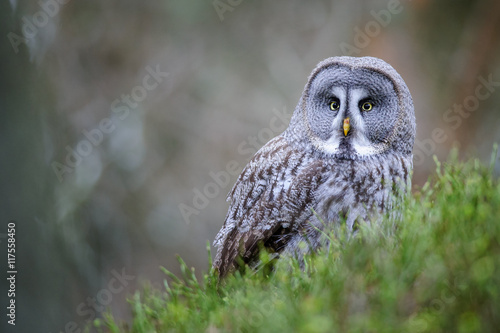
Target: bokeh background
[(229, 73)]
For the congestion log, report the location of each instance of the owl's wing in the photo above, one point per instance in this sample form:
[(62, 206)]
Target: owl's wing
[(274, 192)]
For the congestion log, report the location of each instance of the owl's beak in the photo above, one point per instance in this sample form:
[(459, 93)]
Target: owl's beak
[(347, 126)]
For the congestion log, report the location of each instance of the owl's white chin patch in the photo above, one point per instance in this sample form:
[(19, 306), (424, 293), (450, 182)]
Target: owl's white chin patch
[(362, 146), (364, 150), (330, 146), (359, 144)]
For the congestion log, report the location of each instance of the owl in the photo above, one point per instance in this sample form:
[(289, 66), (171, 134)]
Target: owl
[(346, 157)]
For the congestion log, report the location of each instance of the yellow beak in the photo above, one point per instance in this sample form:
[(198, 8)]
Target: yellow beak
[(347, 126)]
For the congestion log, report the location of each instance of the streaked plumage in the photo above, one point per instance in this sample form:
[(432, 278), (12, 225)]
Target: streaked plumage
[(347, 154)]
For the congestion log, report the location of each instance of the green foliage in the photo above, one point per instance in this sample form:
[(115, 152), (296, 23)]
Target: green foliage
[(437, 271)]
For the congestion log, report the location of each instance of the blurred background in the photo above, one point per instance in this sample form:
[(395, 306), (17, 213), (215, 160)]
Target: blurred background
[(123, 122)]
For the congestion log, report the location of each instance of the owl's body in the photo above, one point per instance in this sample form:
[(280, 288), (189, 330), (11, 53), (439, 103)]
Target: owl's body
[(346, 155)]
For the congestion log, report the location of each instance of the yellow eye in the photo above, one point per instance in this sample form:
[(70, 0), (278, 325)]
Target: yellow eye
[(366, 106), (335, 105)]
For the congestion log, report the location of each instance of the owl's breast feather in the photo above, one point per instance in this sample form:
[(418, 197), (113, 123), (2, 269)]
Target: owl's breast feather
[(358, 189)]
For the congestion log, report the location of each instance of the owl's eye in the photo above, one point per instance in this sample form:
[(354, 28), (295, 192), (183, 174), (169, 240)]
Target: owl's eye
[(335, 105), (367, 106)]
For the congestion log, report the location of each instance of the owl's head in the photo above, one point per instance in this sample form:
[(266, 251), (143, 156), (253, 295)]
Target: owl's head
[(353, 108)]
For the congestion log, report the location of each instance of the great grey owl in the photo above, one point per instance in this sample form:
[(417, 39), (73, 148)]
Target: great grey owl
[(346, 156)]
